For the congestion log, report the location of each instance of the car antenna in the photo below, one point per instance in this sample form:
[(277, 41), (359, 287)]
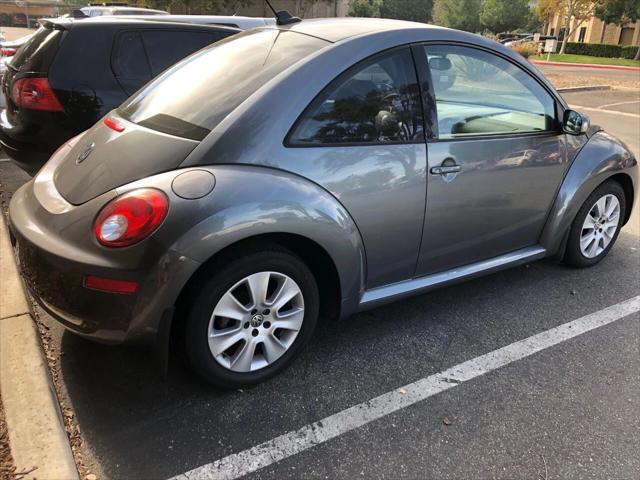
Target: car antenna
[(282, 16)]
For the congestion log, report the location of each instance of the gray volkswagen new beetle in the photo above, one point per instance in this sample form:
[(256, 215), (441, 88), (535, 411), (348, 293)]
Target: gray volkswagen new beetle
[(316, 169)]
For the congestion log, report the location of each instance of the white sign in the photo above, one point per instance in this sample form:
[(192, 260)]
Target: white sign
[(550, 45), (536, 37)]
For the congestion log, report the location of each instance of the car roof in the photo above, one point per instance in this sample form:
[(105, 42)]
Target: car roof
[(241, 22), (337, 29)]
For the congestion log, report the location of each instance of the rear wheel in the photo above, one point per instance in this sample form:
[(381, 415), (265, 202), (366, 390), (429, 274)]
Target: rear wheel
[(596, 226), (251, 318)]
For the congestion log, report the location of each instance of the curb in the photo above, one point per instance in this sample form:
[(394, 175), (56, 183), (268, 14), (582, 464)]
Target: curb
[(586, 88), (37, 438), (586, 65)]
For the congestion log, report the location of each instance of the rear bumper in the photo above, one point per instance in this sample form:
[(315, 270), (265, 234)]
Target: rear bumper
[(55, 269)]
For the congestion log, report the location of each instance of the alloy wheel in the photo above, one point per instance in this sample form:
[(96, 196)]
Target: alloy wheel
[(600, 226), (256, 321)]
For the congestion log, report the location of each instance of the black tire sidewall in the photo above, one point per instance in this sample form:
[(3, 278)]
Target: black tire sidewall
[(573, 254), (217, 284)]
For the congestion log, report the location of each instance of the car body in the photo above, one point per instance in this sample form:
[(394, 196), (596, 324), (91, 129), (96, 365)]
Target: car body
[(86, 83), (372, 159), (528, 38), (234, 21)]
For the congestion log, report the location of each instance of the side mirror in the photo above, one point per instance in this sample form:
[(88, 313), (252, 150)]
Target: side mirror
[(575, 123)]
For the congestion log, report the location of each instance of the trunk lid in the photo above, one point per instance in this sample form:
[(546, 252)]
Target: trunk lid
[(105, 159)]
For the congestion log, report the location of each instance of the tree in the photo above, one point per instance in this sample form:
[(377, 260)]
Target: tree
[(413, 10), (578, 10), (618, 12), (365, 8), (504, 15), (460, 14)]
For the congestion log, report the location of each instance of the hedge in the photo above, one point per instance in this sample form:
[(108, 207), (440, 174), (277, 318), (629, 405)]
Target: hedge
[(602, 50)]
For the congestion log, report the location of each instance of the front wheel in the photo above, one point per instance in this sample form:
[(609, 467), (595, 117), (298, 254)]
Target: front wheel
[(251, 318), (596, 226)]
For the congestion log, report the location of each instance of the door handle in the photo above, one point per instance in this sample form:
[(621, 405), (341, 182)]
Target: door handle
[(444, 170)]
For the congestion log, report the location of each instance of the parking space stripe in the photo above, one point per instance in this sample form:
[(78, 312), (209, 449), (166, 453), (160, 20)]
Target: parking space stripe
[(289, 444), (611, 112)]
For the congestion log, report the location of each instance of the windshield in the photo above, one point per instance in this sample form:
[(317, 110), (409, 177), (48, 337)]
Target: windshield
[(192, 97)]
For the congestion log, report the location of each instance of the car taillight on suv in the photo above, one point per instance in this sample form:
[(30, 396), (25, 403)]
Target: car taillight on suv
[(35, 93)]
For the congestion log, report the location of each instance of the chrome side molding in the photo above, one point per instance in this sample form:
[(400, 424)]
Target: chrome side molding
[(396, 291)]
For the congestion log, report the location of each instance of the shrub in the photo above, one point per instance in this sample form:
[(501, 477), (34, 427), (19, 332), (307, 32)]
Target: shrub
[(602, 50), (629, 51), (527, 49)]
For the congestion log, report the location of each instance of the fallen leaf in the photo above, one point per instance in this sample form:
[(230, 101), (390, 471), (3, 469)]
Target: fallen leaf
[(446, 420), (402, 391)]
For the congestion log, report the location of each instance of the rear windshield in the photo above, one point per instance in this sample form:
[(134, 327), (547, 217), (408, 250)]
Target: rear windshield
[(38, 52), (192, 97)]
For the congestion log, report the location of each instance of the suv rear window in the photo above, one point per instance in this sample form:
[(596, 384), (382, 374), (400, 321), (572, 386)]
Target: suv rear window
[(36, 55), (192, 97)]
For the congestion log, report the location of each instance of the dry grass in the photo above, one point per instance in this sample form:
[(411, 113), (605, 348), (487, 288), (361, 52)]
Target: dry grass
[(527, 49), (7, 467)]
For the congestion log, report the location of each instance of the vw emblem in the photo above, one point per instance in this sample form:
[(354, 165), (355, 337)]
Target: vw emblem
[(256, 320), (85, 153)]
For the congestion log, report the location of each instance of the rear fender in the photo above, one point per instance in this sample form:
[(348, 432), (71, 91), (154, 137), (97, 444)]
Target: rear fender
[(248, 201), (602, 157)]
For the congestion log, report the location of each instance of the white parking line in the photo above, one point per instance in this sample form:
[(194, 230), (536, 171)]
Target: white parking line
[(612, 112), (617, 104), (289, 444)]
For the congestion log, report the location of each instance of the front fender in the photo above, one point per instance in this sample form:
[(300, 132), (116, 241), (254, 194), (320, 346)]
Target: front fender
[(602, 157), (250, 200)]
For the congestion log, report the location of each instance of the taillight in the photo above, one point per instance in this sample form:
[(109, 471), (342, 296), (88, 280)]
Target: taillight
[(131, 217), (36, 94), (7, 52)]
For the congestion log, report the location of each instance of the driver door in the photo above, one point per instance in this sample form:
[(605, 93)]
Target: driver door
[(497, 162)]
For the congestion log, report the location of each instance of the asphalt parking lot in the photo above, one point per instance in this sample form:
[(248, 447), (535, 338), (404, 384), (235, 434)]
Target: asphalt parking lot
[(571, 410)]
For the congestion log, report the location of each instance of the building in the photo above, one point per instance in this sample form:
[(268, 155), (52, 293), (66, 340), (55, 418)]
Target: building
[(24, 13), (594, 30)]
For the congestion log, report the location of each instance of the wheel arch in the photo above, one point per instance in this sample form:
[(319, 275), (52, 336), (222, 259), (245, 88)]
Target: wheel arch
[(603, 158), (314, 255)]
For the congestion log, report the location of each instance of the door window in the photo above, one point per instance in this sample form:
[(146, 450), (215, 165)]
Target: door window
[(479, 93), (168, 47), (130, 63), (375, 102)]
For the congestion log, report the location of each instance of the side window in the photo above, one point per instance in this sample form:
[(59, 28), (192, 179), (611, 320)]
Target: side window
[(376, 101), (479, 93), (168, 47), (130, 64)]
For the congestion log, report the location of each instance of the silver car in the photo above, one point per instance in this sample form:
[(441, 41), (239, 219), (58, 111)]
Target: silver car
[(307, 171)]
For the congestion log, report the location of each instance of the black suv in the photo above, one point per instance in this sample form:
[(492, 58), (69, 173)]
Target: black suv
[(72, 72)]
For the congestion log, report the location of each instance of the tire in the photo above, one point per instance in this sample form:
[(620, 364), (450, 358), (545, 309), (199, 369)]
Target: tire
[(586, 255), (229, 369)]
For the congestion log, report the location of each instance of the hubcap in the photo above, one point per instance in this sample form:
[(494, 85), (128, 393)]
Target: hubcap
[(256, 321), (600, 226)]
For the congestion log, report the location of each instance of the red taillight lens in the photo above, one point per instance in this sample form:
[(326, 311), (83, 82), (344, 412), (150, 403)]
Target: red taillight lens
[(36, 94), (113, 124), (110, 285), (131, 217), (7, 52)]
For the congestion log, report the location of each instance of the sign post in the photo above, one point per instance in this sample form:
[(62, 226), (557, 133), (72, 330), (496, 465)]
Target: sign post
[(550, 46)]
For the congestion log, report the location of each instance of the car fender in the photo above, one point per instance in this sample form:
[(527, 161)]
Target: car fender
[(248, 201), (599, 159)]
